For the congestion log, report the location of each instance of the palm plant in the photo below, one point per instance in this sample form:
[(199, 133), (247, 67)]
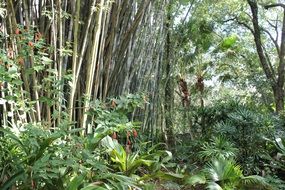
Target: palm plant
[(222, 174), (277, 162), (247, 128), (218, 147)]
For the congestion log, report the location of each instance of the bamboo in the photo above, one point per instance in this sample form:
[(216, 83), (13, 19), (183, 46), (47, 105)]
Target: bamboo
[(74, 60), (35, 88), (60, 59), (118, 50), (27, 16), (93, 64), (83, 49)]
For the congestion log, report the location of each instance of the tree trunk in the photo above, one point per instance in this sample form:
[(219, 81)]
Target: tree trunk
[(279, 98), (169, 85), (277, 83)]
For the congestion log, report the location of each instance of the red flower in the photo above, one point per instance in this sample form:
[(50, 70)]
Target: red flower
[(21, 61), (17, 31), (31, 44), (135, 133), (114, 136), (113, 104), (129, 142)]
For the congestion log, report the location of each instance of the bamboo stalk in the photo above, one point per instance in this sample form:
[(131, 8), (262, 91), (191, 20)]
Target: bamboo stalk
[(27, 16), (35, 88), (84, 45), (60, 59), (109, 47), (99, 66), (93, 64), (125, 42), (74, 60)]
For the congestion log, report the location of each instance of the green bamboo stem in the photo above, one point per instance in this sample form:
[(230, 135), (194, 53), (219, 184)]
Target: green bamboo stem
[(93, 64), (60, 59), (35, 88), (74, 60)]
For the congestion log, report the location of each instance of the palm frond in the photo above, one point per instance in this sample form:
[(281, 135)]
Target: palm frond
[(214, 186), (221, 170), (218, 147), (254, 181)]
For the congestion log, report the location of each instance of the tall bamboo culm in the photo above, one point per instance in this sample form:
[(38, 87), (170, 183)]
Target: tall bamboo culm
[(107, 47)]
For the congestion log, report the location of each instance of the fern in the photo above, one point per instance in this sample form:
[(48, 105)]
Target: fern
[(222, 174)]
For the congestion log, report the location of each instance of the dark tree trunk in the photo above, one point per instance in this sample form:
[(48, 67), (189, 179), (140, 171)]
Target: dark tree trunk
[(279, 98), (276, 82)]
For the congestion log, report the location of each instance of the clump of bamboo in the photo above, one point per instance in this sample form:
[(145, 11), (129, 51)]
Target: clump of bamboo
[(91, 50)]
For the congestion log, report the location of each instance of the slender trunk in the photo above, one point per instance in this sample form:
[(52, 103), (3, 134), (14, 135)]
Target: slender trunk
[(169, 86), (59, 60), (94, 64), (74, 60)]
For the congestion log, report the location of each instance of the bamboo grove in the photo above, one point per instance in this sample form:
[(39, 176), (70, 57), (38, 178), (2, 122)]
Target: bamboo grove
[(64, 54)]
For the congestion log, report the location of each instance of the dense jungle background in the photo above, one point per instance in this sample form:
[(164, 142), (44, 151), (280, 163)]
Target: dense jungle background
[(142, 94)]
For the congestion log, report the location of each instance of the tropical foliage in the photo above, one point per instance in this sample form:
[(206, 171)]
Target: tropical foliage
[(129, 94)]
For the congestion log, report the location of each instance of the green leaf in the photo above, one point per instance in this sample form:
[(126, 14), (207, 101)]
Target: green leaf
[(94, 187), (254, 180), (168, 157), (38, 68), (45, 158), (43, 146), (196, 179), (169, 176), (280, 144), (184, 2), (133, 166), (15, 138), (46, 60), (163, 175), (12, 70), (229, 42), (17, 82), (12, 180), (213, 186), (76, 182)]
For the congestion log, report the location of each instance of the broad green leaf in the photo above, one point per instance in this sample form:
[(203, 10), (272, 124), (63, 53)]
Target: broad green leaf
[(76, 182), (196, 179)]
